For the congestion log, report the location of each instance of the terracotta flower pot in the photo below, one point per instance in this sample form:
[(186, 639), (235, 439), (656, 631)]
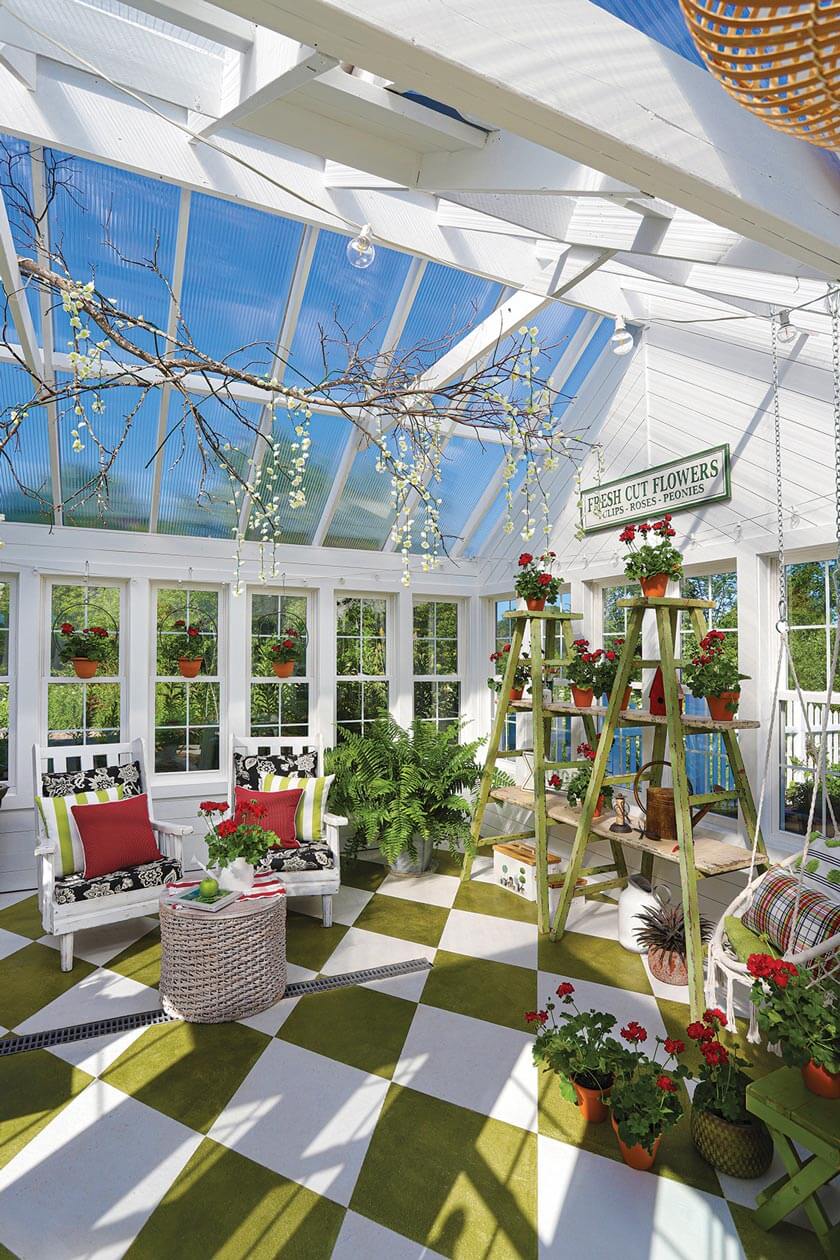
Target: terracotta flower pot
[(283, 669), (636, 1156), (668, 966), (591, 1102), (516, 693), (189, 666), (820, 1081), (655, 586), (719, 710), (535, 605), (738, 1150), (582, 696), (625, 699), (84, 668)]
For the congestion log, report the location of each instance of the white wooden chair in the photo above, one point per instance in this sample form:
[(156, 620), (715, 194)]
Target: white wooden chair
[(326, 880), (71, 904)]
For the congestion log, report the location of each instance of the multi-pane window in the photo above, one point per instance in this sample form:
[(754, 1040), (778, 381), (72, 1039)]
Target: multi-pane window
[(5, 678), (437, 687), (187, 710), (706, 761), (504, 629), (812, 614), (81, 711), (626, 754), (278, 706), (361, 662)]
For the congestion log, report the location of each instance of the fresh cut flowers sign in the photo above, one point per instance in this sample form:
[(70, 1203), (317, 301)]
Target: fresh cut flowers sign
[(689, 482)]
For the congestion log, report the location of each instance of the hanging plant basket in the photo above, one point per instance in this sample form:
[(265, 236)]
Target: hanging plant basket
[(283, 669), (84, 668)]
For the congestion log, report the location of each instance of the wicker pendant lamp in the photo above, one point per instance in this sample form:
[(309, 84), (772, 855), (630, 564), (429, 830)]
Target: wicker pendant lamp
[(781, 61)]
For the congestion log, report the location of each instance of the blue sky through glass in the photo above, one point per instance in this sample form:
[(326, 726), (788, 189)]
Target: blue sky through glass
[(28, 451), (661, 19)]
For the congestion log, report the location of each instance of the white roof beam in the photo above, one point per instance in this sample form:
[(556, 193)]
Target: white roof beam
[(39, 205), (21, 63), (597, 91), (207, 20), (13, 286)]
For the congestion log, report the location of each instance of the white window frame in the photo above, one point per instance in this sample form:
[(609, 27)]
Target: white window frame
[(459, 676), (220, 677), (8, 680), (390, 654), (308, 676), (48, 679)]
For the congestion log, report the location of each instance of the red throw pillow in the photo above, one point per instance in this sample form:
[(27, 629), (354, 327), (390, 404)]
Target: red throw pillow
[(116, 834), (279, 817)]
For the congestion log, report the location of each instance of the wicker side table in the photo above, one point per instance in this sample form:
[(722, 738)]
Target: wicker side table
[(222, 966)]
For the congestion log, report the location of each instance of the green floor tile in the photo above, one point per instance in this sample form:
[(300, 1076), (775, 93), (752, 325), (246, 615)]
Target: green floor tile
[(5, 1254), (308, 943), (446, 863), (498, 992), (34, 1088), (188, 1071), (23, 917), (31, 978), (483, 898), (226, 1206), (408, 920), (141, 960), (458, 1182), (365, 875), (363, 1027), (583, 957), (783, 1242)]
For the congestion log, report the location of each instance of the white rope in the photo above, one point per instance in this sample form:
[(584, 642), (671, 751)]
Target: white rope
[(782, 653)]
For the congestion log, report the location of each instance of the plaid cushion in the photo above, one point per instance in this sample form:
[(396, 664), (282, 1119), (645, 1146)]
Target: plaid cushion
[(771, 914)]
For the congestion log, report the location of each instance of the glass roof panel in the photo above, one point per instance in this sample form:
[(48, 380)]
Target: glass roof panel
[(595, 347), (661, 19), (237, 272), (129, 481), (466, 468), (556, 324), (364, 515), (16, 169), (195, 499), (487, 527), (363, 301), (28, 452), (448, 303), (329, 434), (105, 222)]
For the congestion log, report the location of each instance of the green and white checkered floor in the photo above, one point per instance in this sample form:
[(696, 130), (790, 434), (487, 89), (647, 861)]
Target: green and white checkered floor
[(396, 1121)]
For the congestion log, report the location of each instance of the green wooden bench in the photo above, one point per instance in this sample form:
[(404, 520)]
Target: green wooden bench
[(793, 1114)]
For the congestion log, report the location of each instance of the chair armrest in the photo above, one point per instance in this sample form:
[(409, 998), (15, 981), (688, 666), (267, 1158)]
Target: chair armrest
[(171, 829), (335, 820), (332, 822), (45, 850)]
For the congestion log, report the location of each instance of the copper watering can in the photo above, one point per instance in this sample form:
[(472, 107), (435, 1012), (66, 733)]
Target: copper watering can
[(660, 813)]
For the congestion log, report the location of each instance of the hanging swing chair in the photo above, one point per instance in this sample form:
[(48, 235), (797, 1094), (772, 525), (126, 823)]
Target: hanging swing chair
[(799, 897)]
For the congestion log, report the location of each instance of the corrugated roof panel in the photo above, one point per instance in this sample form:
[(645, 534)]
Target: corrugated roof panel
[(194, 499), (448, 304), (488, 526), (364, 515), (661, 19), (27, 453), (329, 434), (466, 468), (595, 347), (16, 167)]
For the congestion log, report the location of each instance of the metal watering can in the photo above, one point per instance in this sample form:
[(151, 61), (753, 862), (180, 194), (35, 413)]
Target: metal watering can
[(660, 812)]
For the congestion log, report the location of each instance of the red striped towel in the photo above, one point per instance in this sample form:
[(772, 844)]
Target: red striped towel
[(266, 884)]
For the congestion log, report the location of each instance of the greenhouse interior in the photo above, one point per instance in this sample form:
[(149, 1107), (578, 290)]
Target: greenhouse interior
[(420, 525)]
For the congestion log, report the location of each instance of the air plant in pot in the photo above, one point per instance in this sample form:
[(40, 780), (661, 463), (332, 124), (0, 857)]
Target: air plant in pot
[(661, 932), (535, 583), (652, 564), (521, 676)]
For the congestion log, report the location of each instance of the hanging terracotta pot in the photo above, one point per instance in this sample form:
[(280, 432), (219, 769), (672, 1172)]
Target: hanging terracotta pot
[(516, 693), (719, 709), (591, 1102), (625, 699), (582, 696), (535, 605), (668, 966), (83, 667), (655, 586), (283, 669), (820, 1081), (188, 666), (636, 1156)]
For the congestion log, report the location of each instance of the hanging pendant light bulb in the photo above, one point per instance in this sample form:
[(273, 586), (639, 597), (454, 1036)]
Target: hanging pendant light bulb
[(361, 251), (786, 332), (621, 342)]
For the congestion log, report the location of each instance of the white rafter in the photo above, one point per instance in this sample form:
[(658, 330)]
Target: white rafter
[(16, 295), (207, 20)]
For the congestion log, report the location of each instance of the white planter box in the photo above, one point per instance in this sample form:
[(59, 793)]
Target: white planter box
[(514, 868)]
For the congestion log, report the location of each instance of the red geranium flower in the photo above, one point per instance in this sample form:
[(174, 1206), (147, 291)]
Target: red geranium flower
[(544, 579), (287, 643), (180, 623), (565, 988), (634, 1033), (714, 1014), (525, 558), (714, 1053), (555, 781), (192, 631), (506, 648), (667, 1083), (213, 807), (227, 827), (536, 1017), (67, 628), (699, 1032), (673, 1045)]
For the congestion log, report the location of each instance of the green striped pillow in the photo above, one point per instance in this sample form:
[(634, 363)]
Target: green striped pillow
[(309, 817), (56, 811)]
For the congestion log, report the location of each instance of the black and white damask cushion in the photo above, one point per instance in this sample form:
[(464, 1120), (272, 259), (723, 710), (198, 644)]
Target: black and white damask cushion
[(149, 875), (69, 782), (248, 769), (314, 856)]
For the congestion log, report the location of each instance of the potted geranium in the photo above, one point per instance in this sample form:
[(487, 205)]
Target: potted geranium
[(521, 676), (645, 1099), (606, 670), (579, 1050), (285, 653), (577, 785), (188, 645), (661, 932), (652, 564), (713, 673), (722, 1129), (802, 1016), (535, 582), (236, 845), (582, 672), (84, 649)]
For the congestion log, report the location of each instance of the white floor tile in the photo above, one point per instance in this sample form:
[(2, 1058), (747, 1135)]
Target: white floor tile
[(440, 1057), (101, 995), (86, 1184), (485, 936), (603, 997), (10, 943), (431, 889), (359, 949), (99, 945), (361, 1239), (593, 918), (348, 904), (304, 1116), (669, 992), (599, 1208), (275, 1017), (12, 898)]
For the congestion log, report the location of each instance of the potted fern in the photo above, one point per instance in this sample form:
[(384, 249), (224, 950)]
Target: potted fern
[(406, 790)]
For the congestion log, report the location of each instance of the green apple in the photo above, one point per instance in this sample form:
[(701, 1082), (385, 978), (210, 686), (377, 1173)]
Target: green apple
[(208, 887)]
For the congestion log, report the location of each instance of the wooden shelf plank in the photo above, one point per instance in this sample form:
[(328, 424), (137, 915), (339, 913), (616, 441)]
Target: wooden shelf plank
[(549, 614), (639, 717), (642, 601)]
